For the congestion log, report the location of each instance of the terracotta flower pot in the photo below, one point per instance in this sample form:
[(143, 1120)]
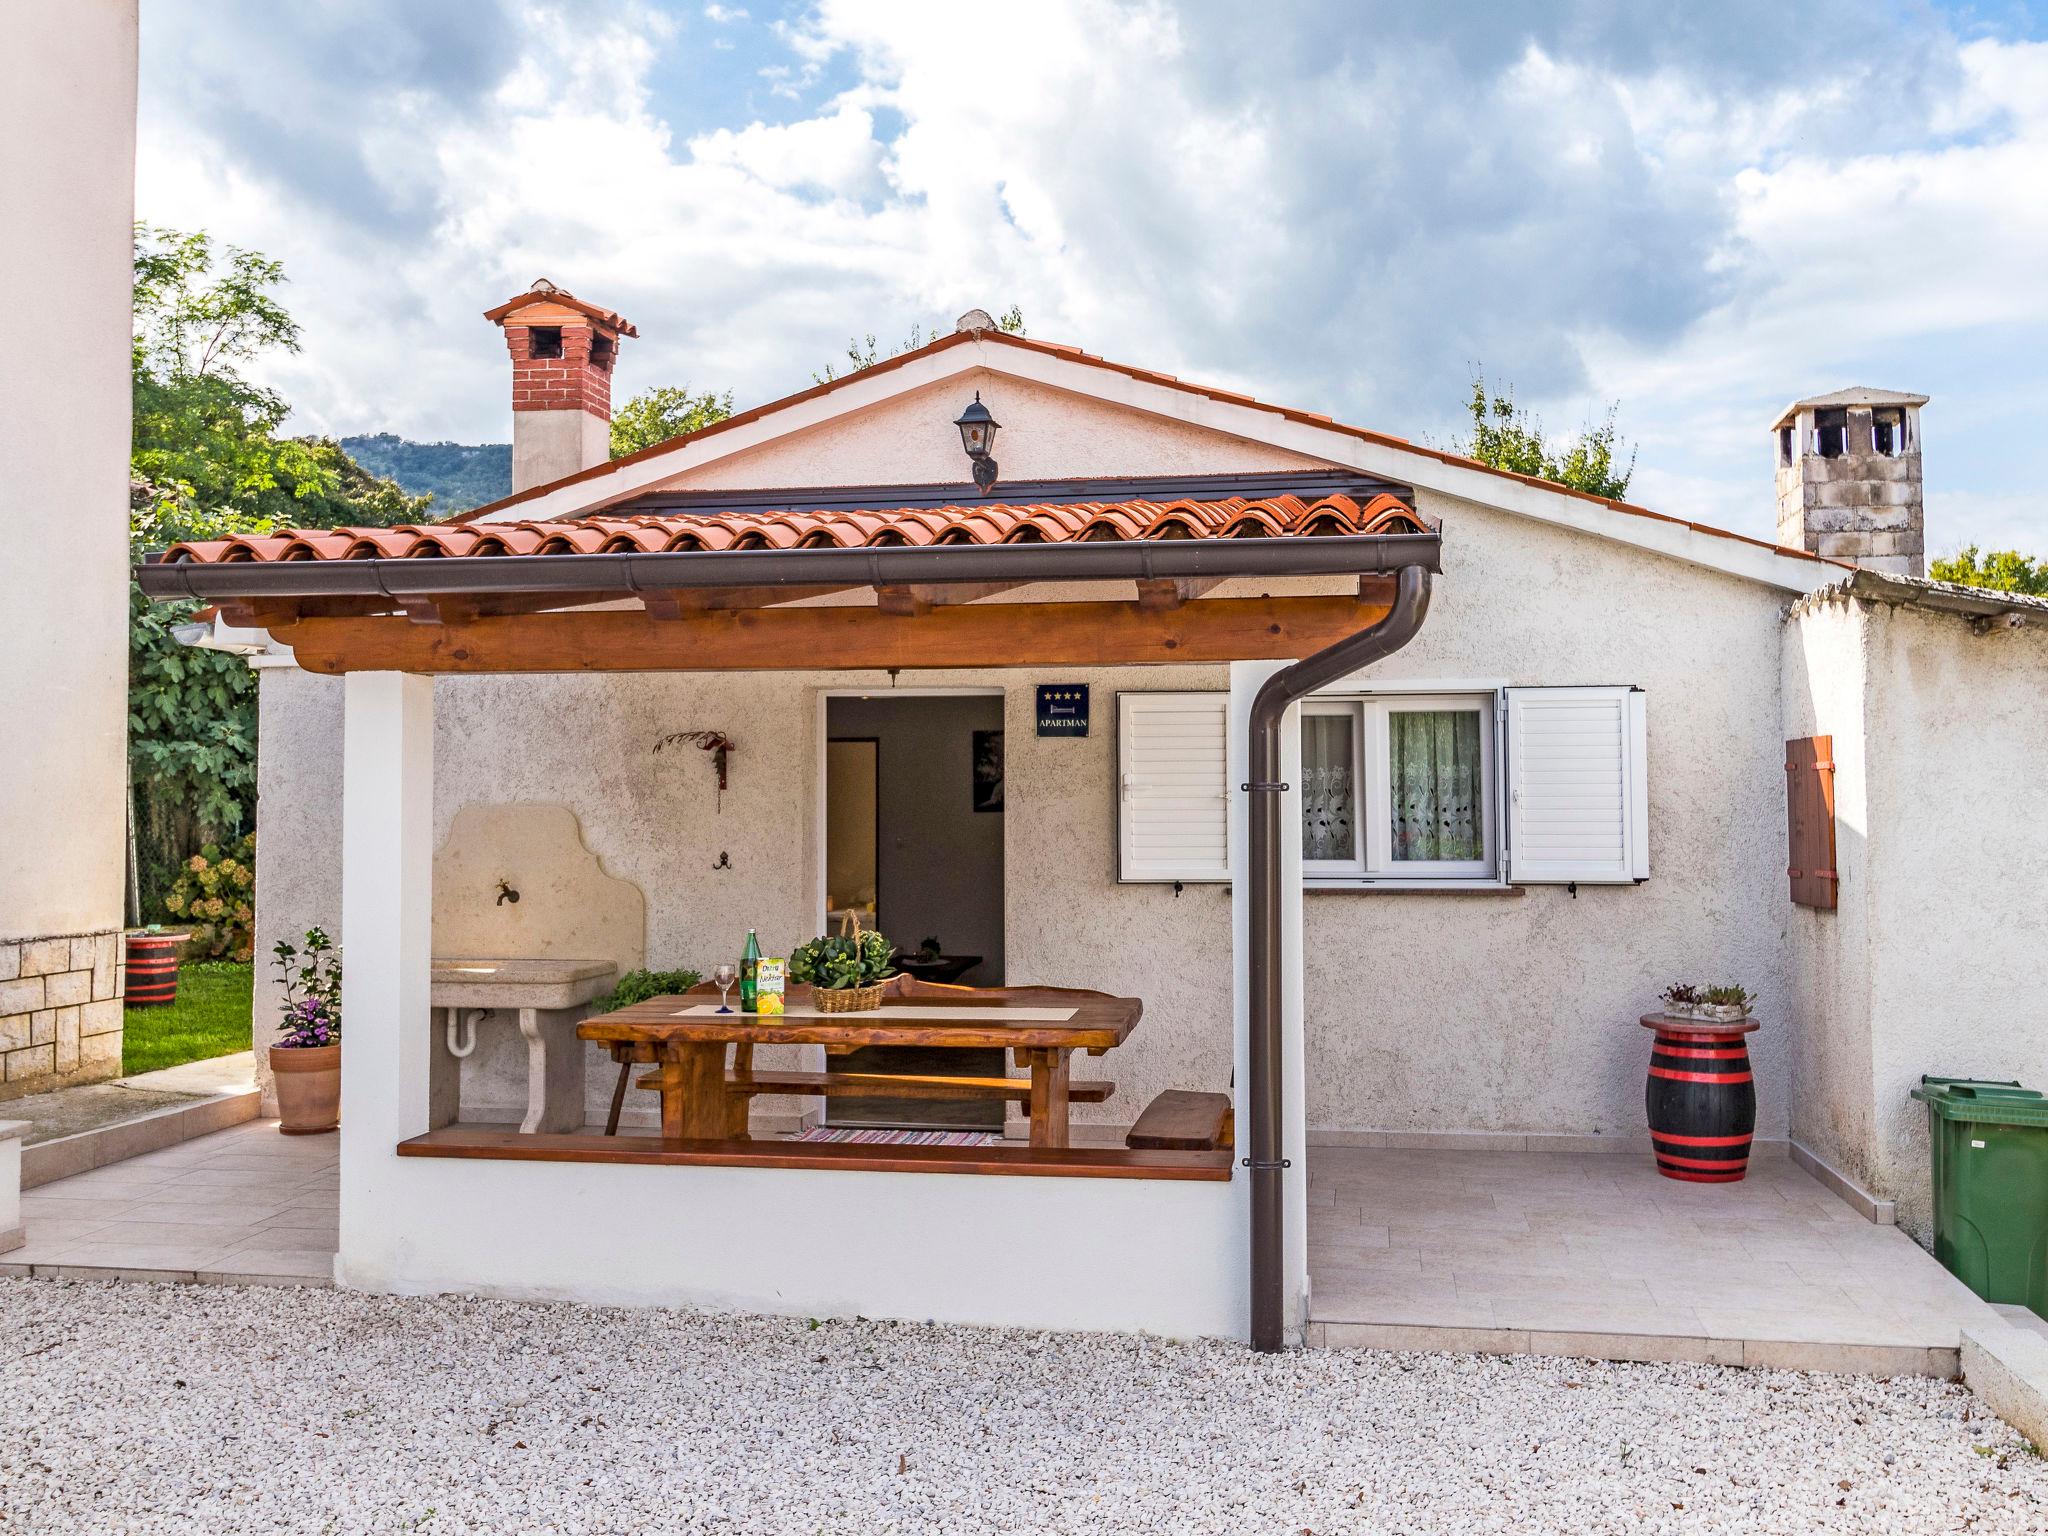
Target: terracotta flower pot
[(308, 1088)]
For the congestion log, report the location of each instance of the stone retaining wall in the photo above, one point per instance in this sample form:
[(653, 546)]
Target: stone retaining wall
[(60, 1011)]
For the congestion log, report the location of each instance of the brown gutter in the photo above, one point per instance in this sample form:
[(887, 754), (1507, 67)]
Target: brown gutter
[(629, 573), (1269, 708)]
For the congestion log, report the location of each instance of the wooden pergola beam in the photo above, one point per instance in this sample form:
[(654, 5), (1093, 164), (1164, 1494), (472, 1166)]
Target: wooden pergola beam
[(909, 602), (1171, 591), (837, 638), (681, 602)]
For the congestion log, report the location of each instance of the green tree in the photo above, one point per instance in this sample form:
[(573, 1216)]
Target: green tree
[(208, 460), (2003, 570), (1506, 436), (666, 411), (863, 352)]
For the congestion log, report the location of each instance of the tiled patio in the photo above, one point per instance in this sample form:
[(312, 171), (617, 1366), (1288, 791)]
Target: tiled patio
[(240, 1206), (1595, 1254)]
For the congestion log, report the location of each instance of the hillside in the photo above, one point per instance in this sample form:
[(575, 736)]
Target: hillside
[(459, 475)]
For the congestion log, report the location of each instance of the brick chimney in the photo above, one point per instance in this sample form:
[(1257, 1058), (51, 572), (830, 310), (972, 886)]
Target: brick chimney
[(563, 351), (1849, 479)]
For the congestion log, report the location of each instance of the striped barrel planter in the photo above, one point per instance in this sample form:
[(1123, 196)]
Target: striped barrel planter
[(1701, 1099), (153, 969)]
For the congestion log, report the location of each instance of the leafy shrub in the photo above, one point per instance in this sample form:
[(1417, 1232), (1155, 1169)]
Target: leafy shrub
[(215, 895), (638, 986), (312, 990), (836, 963)]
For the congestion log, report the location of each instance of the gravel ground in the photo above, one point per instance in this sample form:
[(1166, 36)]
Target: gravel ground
[(133, 1407)]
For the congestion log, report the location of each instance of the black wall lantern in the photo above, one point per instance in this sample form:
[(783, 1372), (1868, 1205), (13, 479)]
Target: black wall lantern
[(978, 436)]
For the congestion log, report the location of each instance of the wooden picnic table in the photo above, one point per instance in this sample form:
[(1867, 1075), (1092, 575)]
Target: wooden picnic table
[(685, 1038)]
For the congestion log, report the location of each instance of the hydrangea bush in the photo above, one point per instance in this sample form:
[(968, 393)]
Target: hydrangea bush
[(311, 973), (215, 895)]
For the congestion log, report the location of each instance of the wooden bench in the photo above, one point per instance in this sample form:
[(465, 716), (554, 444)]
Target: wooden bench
[(1181, 1121), (891, 1085)]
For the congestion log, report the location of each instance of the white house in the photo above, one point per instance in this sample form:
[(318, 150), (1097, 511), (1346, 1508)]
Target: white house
[(64, 425), (1590, 731)]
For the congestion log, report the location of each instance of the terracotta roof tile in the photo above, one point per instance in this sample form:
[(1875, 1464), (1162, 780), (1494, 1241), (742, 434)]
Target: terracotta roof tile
[(978, 523)]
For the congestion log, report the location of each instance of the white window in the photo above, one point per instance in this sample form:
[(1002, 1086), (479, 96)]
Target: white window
[(1400, 787), (1521, 785), (1173, 802), (1526, 786)]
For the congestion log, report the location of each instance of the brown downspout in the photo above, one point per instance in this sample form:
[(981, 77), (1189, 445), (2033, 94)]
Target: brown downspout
[(1282, 689)]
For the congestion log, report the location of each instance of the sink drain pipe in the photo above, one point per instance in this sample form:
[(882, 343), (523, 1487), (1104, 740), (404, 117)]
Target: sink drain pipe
[(1284, 688)]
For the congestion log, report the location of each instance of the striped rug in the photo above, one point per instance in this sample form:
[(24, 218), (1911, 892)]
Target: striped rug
[(877, 1137)]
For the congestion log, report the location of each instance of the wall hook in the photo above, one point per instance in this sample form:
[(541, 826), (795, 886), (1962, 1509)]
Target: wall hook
[(506, 893), (1177, 889), (724, 861), (1572, 888)]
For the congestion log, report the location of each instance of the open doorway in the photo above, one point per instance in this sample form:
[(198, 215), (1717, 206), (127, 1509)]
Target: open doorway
[(914, 845)]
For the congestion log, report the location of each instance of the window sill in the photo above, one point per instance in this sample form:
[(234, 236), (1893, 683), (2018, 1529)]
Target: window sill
[(495, 1143), (1397, 888)]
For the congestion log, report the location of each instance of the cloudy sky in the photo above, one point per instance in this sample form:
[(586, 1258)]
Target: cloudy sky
[(1701, 212)]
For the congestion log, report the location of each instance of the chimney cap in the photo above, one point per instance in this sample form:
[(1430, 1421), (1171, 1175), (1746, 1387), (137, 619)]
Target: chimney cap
[(1855, 394), (544, 292)]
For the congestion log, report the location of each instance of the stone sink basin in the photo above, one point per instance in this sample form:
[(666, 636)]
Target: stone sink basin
[(505, 983), (548, 998)]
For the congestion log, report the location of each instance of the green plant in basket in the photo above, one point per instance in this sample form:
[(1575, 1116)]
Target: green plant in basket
[(839, 963)]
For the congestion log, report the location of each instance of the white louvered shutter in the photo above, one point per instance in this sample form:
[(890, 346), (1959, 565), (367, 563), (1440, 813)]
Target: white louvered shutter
[(1173, 805), (1577, 790)]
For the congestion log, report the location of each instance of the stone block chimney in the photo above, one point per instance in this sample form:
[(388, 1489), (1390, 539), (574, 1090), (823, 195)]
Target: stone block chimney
[(563, 351), (1849, 479)]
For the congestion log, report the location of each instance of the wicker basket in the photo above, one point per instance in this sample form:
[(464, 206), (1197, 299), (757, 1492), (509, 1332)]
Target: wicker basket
[(848, 999)]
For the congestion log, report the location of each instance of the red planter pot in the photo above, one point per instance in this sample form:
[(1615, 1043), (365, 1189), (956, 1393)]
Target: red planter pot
[(1701, 1098), (153, 969), (308, 1081)]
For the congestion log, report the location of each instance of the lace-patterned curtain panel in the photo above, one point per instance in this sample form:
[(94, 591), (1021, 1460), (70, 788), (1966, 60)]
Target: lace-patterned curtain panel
[(1329, 795), (1437, 782)]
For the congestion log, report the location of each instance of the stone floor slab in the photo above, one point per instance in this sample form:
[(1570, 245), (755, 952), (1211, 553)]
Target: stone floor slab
[(1593, 1253)]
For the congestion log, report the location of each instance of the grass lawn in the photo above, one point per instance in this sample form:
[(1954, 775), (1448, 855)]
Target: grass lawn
[(210, 1018)]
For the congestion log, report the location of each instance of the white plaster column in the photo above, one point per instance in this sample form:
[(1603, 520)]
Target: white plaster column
[(1246, 677), (387, 894)]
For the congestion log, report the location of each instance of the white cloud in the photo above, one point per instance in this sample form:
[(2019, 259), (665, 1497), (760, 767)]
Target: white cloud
[(1334, 211)]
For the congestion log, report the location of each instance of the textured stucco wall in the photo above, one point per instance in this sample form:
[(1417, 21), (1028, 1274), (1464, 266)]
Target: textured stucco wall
[(1046, 433), (68, 100), (585, 742), (1957, 737), (546, 445), (1424, 1012), (1519, 1013), (1826, 667)]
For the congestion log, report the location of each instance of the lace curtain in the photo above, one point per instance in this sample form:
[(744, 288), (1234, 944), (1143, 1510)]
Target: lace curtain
[(1329, 797), (1436, 782)]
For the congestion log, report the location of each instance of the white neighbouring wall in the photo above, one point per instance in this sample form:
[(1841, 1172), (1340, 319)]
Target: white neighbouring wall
[(1931, 962), (1158, 1255), (67, 115)]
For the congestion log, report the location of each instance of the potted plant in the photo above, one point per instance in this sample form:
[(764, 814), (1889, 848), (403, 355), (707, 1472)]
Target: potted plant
[(1726, 1004), (845, 972), (306, 1063)]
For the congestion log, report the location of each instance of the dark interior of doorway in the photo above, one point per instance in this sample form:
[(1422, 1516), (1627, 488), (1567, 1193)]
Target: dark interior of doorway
[(914, 825)]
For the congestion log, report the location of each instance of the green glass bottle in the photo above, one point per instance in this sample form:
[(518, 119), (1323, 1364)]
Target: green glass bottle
[(750, 975)]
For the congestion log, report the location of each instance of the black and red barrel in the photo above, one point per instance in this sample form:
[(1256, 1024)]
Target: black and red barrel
[(1701, 1098), (153, 969)]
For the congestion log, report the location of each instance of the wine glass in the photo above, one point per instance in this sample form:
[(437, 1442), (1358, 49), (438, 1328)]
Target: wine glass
[(725, 975)]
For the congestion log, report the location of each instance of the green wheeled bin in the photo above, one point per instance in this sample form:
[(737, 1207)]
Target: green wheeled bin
[(1990, 1144)]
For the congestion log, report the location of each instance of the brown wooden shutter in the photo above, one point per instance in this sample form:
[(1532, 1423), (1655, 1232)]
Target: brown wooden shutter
[(1810, 820)]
